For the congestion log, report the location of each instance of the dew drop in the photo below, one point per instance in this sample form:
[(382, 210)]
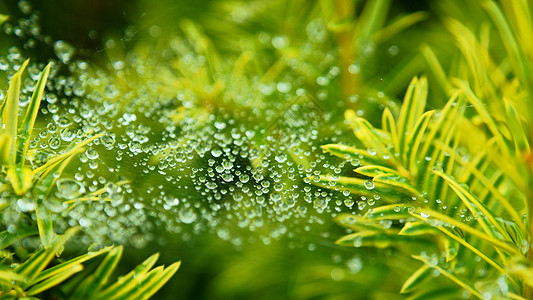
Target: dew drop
[(369, 184), (64, 51), (69, 188)]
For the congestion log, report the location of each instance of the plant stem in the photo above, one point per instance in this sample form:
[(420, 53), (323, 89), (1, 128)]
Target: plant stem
[(346, 44)]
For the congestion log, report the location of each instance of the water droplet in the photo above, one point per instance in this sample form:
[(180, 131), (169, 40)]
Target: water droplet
[(91, 153), (354, 69), (69, 188), (281, 158), (64, 51), (369, 184), (187, 215), (67, 134), (26, 204), (280, 42)]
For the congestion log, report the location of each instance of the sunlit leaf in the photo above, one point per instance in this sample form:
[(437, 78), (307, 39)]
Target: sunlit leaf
[(36, 263), (130, 281), (21, 178), (54, 280), (95, 282), (416, 279), (31, 114), (459, 281)]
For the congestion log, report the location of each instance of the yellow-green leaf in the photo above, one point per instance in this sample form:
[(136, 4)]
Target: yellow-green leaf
[(10, 113), (54, 280), (476, 207), (391, 212), (44, 224), (383, 240), (358, 223), (5, 145), (397, 182), (39, 261), (151, 287), (418, 228), (351, 153), (373, 171), (31, 113), (53, 271), (129, 281), (21, 178), (416, 279), (95, 282), (459, 281), (371, 137)]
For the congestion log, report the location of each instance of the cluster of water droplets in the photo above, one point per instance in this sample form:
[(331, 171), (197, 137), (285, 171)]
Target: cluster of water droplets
[(170, 158)]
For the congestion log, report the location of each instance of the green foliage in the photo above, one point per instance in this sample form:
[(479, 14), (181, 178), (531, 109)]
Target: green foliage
[(32, 277), (418, 163)]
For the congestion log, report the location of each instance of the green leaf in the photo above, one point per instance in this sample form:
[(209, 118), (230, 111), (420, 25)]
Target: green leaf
[(384, 240), (5, 145), (373, 171), (57, 163), (428, 214), (95, 282), (416, 279), (148, 279), (474, 168), (45, 180), (350, 153), (152, 286), (459, 281), (358, 223), (21, 178), (411, 111), (418, 228), (399, 183), (399, 25), (31, 113), (44, 224), (517, 131), (389, 125), (10, 110), (514, 51), (372, 18), (451, 249), (371, 137), (10, 276), (484, 114), (416, 139), (54, 280), (36, 263), (391, 212), (476, 207), (516, 234), (437, 70), (6, 238), (129, 281), (356, 185), (60, 268)]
